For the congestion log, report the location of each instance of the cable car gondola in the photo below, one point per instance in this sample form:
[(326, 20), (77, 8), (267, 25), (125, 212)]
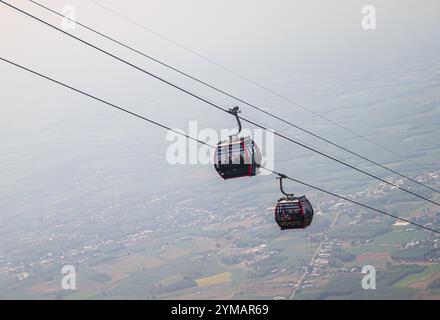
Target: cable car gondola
[(292, 212), (238, 156)]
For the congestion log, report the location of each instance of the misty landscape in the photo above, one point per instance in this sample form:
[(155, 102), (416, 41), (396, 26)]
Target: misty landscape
[(84, 185)]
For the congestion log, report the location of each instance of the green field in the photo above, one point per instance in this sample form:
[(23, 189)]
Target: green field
[(424, 275)]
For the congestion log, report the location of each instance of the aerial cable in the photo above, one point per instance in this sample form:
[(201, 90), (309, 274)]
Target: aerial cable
[(259, 85), (233, 96), (217, 106), (204, 143)]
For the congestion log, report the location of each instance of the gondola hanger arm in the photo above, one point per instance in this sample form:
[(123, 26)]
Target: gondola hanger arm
[(235, 111), (281, 177)]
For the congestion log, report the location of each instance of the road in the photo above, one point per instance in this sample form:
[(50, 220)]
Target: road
[(312, 260)]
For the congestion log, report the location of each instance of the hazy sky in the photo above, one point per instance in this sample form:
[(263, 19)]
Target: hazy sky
[(295, 47), (273, 42), (262, 39)]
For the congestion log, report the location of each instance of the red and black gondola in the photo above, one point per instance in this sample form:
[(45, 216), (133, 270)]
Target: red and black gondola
[(238, 156), (292, 212)]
